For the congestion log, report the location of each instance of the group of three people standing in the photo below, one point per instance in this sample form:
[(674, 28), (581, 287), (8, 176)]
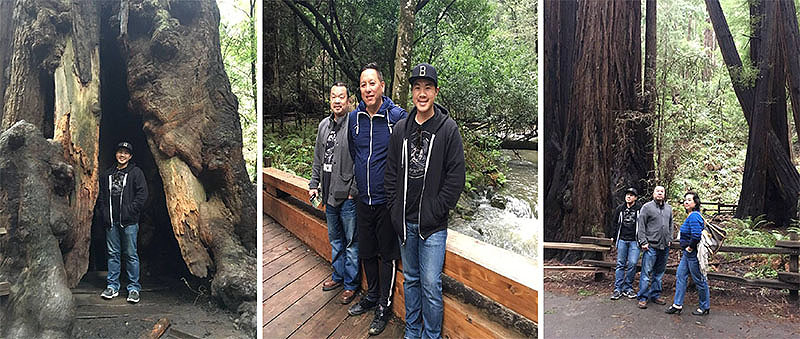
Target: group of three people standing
[(649, 228), (388, 179)]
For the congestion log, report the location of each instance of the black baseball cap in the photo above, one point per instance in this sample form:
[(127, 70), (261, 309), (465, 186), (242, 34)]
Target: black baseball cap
[(632, 191), (423, 71), (125, 145)]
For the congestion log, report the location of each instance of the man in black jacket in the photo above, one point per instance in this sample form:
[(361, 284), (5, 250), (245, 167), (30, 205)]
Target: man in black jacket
[(624, 233), (424, 178), (123, 192)]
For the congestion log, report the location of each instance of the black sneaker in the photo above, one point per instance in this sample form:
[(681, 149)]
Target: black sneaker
[(361, 307), (630, 294), (109, 293), (616, 295), (133, 296), (382, 315)]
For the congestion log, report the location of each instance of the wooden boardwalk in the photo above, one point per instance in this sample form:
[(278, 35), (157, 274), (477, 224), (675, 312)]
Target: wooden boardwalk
[(294, 304)]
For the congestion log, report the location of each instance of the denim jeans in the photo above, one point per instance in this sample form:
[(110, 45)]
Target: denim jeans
[(654, 263), (342, 235), (124, 239), (422, 270), (690, 265), (627, 256)]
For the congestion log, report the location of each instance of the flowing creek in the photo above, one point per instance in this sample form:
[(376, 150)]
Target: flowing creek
[(513, 227)]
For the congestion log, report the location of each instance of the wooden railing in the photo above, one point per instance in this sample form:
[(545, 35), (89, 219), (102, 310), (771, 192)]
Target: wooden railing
[(714, 208), (789, 280), (507, 278)]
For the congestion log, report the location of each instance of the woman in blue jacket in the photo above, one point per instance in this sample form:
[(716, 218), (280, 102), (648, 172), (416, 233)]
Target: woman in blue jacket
[(691, 232)]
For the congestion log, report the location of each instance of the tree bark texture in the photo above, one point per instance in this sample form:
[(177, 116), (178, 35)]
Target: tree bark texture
[(605, 92), (178, 85), (35, 189), (770, 183), (402, 58), (559, 53), (54, 84)]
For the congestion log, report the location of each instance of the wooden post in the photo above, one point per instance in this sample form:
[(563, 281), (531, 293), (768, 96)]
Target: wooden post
[(793, 266)]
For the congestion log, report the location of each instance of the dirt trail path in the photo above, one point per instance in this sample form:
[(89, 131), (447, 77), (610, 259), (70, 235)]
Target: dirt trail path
[(595, 316), (116, 318)]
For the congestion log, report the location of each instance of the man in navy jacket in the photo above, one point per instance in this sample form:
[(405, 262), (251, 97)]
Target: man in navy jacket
[(370, 127)]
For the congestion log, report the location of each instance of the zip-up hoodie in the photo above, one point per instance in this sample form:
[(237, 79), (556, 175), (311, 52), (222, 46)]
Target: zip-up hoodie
[(443, 179), (369, 139), (134, 195), (621, 229)]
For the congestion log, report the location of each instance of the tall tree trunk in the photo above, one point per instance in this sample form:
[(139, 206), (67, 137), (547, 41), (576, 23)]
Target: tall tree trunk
[(6, 47), (790, 34), (605, 87), (770, 183), (559, 53), (209, 196), (402, 58)]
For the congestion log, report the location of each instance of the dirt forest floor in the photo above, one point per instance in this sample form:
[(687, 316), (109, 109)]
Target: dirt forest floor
[(191, 312), (577, 306)]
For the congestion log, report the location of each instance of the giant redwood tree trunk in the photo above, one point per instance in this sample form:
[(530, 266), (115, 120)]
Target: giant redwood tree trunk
[(178, 84), (559, 53), (770, 183), (170, 88), (605, 83)]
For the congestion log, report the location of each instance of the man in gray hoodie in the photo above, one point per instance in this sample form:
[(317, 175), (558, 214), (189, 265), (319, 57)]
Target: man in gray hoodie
[(654, 232)]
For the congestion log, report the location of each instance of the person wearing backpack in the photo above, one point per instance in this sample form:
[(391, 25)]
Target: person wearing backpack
[(690, 234)]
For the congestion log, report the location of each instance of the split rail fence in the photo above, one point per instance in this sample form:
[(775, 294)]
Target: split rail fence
[(601, 247)]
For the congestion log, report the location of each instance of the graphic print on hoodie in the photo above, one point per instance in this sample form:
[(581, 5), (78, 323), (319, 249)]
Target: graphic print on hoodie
[(418, 148), (117, 184)]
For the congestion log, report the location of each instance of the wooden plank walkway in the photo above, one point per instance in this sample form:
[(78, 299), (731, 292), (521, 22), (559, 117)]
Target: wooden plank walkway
[(294, 304)]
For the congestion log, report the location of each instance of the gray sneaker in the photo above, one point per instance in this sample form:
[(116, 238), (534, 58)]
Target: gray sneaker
[(616, 295), (133, 296), (109, 293)]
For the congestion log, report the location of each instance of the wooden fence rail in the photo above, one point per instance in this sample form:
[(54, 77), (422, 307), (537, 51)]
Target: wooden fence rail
[(510, 281), (786, 280)]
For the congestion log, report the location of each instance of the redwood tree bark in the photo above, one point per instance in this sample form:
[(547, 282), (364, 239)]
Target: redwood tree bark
[(605, 88), (770, 183), (178, 85)]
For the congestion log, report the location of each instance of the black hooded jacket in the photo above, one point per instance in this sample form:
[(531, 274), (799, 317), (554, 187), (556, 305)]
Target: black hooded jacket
[(443, 178), (134, 195)]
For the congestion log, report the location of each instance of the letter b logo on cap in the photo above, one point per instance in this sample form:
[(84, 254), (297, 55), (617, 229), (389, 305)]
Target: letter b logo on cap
[(422, 71)]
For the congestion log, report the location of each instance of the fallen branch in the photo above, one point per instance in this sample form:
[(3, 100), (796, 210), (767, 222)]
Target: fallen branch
[(158, 329)]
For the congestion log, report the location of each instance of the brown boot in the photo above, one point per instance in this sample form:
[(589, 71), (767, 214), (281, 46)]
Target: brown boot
[(330, 285), (659, 301), (348, 296)]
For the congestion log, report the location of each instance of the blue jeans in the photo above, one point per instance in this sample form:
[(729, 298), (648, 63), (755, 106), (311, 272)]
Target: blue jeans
[(627, 256), (342, 235), (422, 267), (690, 265), (654, 263), (123, 238)]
